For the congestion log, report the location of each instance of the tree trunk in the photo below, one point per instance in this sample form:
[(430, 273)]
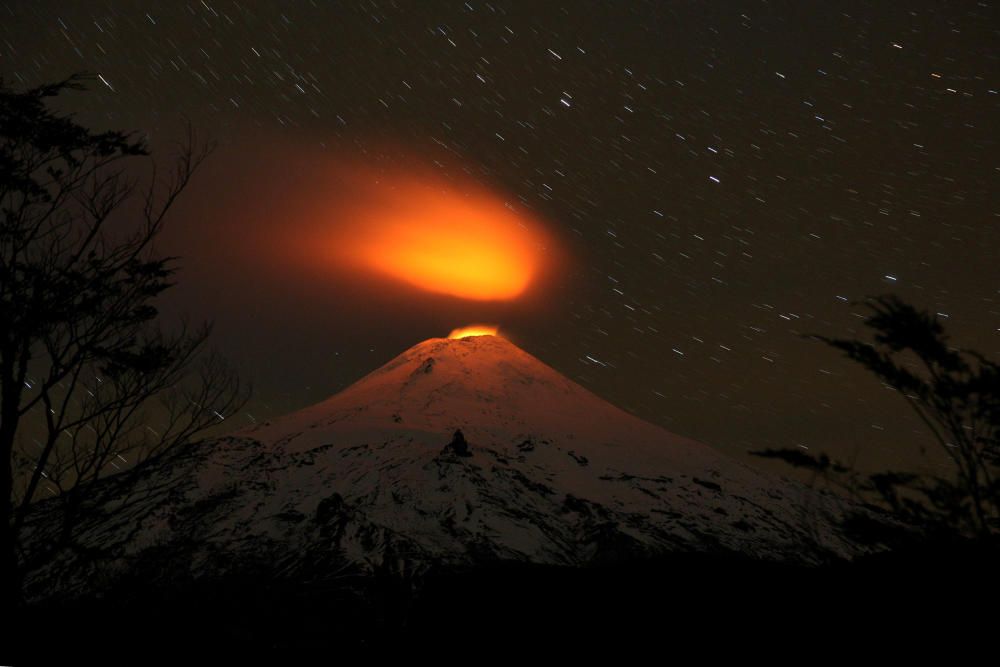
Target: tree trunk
[(10, 581), (10, 399)]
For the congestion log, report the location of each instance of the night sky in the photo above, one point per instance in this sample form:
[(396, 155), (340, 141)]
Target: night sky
[(715, 178)]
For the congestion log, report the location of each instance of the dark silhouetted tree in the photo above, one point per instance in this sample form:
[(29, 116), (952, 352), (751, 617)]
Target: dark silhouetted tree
[(81, 355), (956, 394)]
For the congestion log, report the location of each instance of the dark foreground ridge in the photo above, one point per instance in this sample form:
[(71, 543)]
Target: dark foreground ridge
[(516, 607)]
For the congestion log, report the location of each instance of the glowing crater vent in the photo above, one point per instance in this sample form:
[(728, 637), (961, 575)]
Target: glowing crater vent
[(475, 330)]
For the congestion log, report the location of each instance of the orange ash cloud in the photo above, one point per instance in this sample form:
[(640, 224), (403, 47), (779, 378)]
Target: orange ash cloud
[(475, 330), (465, 242)]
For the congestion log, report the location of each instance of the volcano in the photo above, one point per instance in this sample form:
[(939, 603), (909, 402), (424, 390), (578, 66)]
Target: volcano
[(455, 453)]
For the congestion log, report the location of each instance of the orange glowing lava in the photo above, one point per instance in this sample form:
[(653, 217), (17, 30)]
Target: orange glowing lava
[(475, 330), (461, 241)]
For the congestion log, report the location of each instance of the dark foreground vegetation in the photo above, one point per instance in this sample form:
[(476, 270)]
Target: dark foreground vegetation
[(714, 604)]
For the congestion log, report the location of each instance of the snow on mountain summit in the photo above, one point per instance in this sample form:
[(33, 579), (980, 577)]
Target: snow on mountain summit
[(493, 391)]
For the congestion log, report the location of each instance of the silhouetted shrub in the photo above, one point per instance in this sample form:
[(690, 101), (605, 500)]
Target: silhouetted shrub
[(956, 394)]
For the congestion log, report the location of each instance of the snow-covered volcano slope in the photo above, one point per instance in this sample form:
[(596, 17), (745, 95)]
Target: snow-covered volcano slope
[(544, 471)]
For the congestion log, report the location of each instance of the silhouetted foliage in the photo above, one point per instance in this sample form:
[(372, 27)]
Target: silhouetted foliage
[(956, 394), (81, 355)]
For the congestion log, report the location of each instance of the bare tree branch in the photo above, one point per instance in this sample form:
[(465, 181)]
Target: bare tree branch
[(83, 362)]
